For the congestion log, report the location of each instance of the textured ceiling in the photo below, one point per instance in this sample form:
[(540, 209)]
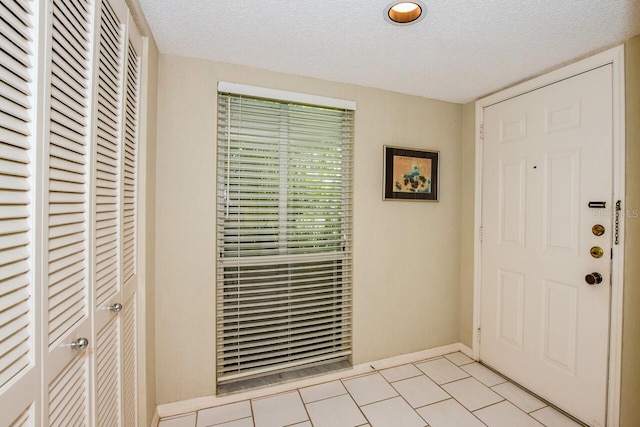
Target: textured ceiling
[(462, 50)]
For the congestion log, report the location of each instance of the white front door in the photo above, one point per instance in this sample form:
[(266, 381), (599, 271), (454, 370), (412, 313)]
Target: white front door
[(547, 156)]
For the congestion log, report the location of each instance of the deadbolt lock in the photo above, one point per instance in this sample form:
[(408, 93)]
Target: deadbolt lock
[(596, 252), (597, 230), (593, 278)]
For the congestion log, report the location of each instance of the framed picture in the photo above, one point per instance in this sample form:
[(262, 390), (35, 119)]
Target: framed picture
[(410, 174)]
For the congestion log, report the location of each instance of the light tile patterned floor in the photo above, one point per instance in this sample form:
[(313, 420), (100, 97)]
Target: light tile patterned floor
[(449, 391)]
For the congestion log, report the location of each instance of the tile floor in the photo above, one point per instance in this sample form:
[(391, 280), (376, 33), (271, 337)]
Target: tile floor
[(448, 391)]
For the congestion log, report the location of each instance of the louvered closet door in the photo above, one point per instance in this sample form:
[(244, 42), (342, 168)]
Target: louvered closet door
[(19, 331), (129, 212), (107, 219), (67, 222), (115, 165)]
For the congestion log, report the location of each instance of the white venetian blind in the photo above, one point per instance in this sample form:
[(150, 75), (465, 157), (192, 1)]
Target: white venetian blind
[(284, 215), (16, 209), (67, 242)]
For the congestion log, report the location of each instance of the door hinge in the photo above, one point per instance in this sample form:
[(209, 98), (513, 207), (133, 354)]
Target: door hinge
[(482, 132), (481, 233), (478, 336)]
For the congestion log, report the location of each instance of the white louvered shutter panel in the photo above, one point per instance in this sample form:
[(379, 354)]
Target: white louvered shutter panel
[(129, 227), (67, 219), (129, 363), (25, 419), (108, 152), (284, 235), (68, 174), (132, 101), (68, 154), (108, 372), (106, 210), (16, 212), (69, 398)]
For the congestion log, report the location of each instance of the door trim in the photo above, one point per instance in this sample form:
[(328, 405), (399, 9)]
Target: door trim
[(615, 57)]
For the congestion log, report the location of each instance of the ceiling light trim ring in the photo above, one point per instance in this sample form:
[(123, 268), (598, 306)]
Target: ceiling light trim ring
[(407, 16)]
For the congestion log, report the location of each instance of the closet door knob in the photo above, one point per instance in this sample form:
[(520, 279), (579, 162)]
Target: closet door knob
[(116, 308), (80, 344)]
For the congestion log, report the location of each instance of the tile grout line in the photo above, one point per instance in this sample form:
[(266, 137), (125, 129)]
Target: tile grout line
[(324, 398), (548, 404), (448, 382), (253, 418), (535, 410), (506, 380), (228, 421), (459, 403), (407, 402), (253, 412), (407, 378), (437, 385), (354, 400), (456, 400), (462, 364), (514, 404), (305, 408)]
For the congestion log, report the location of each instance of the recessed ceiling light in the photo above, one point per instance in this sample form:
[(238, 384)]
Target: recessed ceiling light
[(406, 12)]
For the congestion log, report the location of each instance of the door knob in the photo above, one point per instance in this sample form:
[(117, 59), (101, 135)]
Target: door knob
[(593, 278), (117, 307), (80, 344), (596, 252)]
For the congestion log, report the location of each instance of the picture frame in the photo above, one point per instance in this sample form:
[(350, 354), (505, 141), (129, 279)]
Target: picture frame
[(410, 174)]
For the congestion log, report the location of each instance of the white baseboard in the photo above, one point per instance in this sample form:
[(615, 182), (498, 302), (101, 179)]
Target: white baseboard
[(466, 351), (192, 405)]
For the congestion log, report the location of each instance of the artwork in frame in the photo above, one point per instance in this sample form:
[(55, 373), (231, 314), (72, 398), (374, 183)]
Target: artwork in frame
[(410, 174)]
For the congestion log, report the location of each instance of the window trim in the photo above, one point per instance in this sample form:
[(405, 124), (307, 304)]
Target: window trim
[(285, 96)]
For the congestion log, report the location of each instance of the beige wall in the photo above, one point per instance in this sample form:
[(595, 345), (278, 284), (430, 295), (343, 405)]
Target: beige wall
[(152, 56), (406, 254), (630, 410), (467, 222)]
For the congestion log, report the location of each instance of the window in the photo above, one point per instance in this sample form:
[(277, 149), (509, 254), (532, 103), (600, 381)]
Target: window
[(284, 214)]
